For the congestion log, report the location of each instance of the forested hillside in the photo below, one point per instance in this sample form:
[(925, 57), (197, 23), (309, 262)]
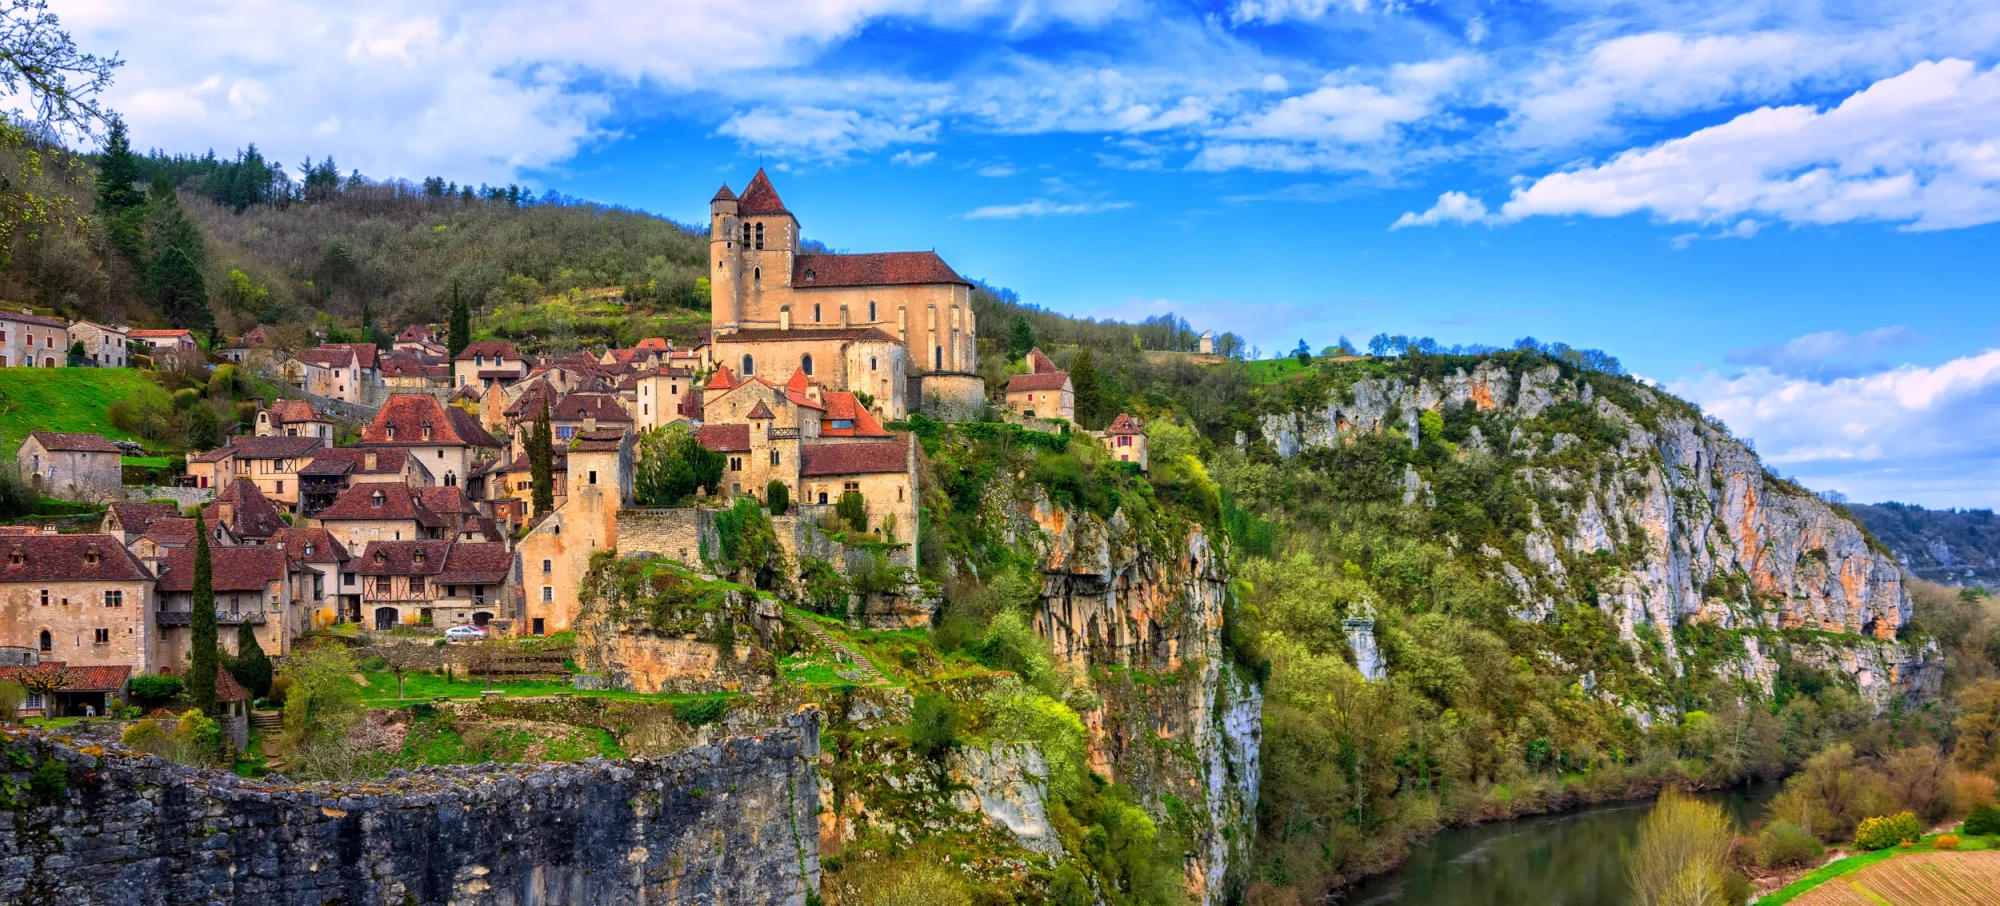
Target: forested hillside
[(1954, 547)]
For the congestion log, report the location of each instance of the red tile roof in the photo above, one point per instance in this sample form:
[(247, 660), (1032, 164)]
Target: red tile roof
[(872, 269), (81, 679), (160, 334), (227, 689), (723, 194), (354, 461), (289, 411), (580, 406), (1039, 363), (602, 440), (759, 197), (56, 442), (402, 558), (252, 514), (1022, 383), (774, 335), (725, 438), (1124, 424), (66, 558), (364, 354), (381, 501), (760, 411), (417, 333), (324, 547), (409, 412), (654, 344), (844, 406), (235, 569), (28, 317), (724, 379), (855, 459), (135, 517), (444, 498), (275, 446), (798, 381), (489, 349), (407, 367), (476, 563)]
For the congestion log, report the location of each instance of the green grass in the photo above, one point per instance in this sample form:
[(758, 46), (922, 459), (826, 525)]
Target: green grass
[(380, 690), (66, 399), (148, 462), (1855, 863)]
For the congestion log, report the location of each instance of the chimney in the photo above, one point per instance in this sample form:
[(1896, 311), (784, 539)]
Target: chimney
[(368, 461), (589, 423), (785, 318)]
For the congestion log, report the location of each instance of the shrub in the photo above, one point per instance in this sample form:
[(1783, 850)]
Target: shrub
[(1884, 831), (1682, 853), (193, 740), (933, 726), (778, 496), (50, 781), (151, 690), (251, 666), (1946, 841), (1785, 843), (697, 712), (1983, 820), (853, 510), (280, 686), (11, 698)]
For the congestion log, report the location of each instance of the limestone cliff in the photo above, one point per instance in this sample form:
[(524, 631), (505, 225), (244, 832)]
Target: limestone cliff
[(1142, 614), (1655, 516)]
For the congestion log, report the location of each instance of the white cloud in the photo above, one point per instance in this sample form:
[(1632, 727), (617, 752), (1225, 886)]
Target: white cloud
[(1828, 353), (1864, 434), (1921, 148), (1042, 207), (997, 171), (913, 159), (1272, 12), (1455, 207), (815, 132)]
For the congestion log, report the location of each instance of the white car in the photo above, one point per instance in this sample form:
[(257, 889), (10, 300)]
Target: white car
[(466, 633)]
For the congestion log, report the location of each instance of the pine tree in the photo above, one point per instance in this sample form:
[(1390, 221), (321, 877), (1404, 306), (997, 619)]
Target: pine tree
[(542, 462), (459, 334), (201, 673), (121, 204), (175, 284), (1089, 391), (1020, 338)]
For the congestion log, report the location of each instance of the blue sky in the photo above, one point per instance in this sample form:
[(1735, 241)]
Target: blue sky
[(1786, 211)]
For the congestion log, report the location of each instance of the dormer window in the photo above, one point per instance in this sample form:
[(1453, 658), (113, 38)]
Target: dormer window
[(810, 276), (15, 559), (427, 430), (479, 361), (90, 558), (381, 557), (417, 557), (390, 431), (308, 550), (377, 499)]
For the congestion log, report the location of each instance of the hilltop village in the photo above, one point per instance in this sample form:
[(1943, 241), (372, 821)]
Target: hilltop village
[(425, 518)]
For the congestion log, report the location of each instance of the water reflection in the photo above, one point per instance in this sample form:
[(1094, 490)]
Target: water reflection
[(1572, 859)]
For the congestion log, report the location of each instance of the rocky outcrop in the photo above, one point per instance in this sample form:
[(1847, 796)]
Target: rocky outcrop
[(1007, 783), (1178, 721), (1694, 529), (725, 823)]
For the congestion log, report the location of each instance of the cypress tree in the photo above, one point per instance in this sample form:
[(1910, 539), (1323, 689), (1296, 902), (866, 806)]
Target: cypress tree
[(542, 462), (1020, 338), (1089, 390), (201, 673), (459, 334), (121, 204), (252, 667)]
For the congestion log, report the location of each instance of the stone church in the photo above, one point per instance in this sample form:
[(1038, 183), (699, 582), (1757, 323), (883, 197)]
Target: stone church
[(894, 328)]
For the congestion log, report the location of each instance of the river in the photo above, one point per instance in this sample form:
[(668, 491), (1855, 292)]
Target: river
[(1570, 859)]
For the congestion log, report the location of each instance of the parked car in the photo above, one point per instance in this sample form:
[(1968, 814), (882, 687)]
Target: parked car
[(466, 633)]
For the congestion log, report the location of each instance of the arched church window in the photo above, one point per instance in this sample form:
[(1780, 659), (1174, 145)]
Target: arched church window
[(940, 359), (871, 309), (815, 313), (749, 366), (806, 363), (760, 236), (756, 275)]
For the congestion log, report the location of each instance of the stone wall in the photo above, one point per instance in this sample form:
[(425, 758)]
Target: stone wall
[(731, 822), (673, 533), (949, 396), (183, 497)]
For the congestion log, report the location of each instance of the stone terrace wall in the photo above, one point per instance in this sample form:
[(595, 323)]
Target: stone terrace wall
[(731, 822)]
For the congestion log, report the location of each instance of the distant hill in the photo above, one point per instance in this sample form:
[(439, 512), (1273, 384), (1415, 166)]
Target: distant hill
[(1951, 547)]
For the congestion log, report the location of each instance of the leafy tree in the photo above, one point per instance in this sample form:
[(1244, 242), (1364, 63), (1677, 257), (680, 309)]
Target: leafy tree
[(933, 726), (1020, 339), (1682, 854), (1978, 726), (151, 690), (1884, 831), (673, 465), (542, 462), (204, 427), (205, 654), (459, 334), (778, 496), (251, 667), (1091, 406), (1303, 353), (853, 510), (16, 497), (1983, 820), (77, 354)]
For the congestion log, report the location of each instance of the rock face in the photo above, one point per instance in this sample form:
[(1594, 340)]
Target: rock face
[(1698, 530), (726, 823), (1178, 722), (1006, 784)]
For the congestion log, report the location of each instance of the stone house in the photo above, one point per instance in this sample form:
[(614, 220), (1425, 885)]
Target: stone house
[(380, 511), (448, 440), (103, 345), (882, 471), (662, 397), (580, 412), (168, 533), (317, 566), (488, 360), (77, 466), (335, 470), (555, 555), (251, 587), (294, 418), (413, 371), (90, 689), (1125, 440), (29, 340), (421, 340), (341, 371), (270, 462), (167, 342), (442, 583), (80, 599), (127, 520), (240, 350), (245, 513), (1045, 392)]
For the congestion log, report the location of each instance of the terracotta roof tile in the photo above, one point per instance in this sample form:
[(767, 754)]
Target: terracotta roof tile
[(844, 406), (489, 349), (381, 501), (324, 548), (759, 197), (1023, 383), (289, 411), (61, 558), (160, 334), (774, 335), (855, 459), (252, 515), (723, 379), (275, 446), (1039, 363), (723, 194), (235, 569), (409, 412), (580, 406), (54, 441), (872, 269), (654, 344), (135, 517), (725, 438), (476, 563), (27, 317), (1124, 424), (354, 461), (101, 678), (402, 558)]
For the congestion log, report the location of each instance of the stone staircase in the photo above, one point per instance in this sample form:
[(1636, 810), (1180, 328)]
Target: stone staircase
[(862, 669), (267, 720)]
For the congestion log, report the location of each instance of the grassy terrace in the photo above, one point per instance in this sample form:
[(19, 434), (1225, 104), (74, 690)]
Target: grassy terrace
[(378, 689), (1852, 864), (66, 399)]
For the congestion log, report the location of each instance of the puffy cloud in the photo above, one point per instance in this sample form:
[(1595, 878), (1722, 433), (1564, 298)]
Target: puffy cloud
[(1043, 207), (1921, 148), (814, 132), (912, 158), (1930, 434), (1456, 207), (1827, 354)]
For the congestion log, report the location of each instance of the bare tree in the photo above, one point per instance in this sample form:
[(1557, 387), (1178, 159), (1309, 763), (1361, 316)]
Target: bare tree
[(401, 659), (39, 59), (45, 681)]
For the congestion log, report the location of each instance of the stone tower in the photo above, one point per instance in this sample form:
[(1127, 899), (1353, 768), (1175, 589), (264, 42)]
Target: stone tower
[(725, 271), (752, 240)]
